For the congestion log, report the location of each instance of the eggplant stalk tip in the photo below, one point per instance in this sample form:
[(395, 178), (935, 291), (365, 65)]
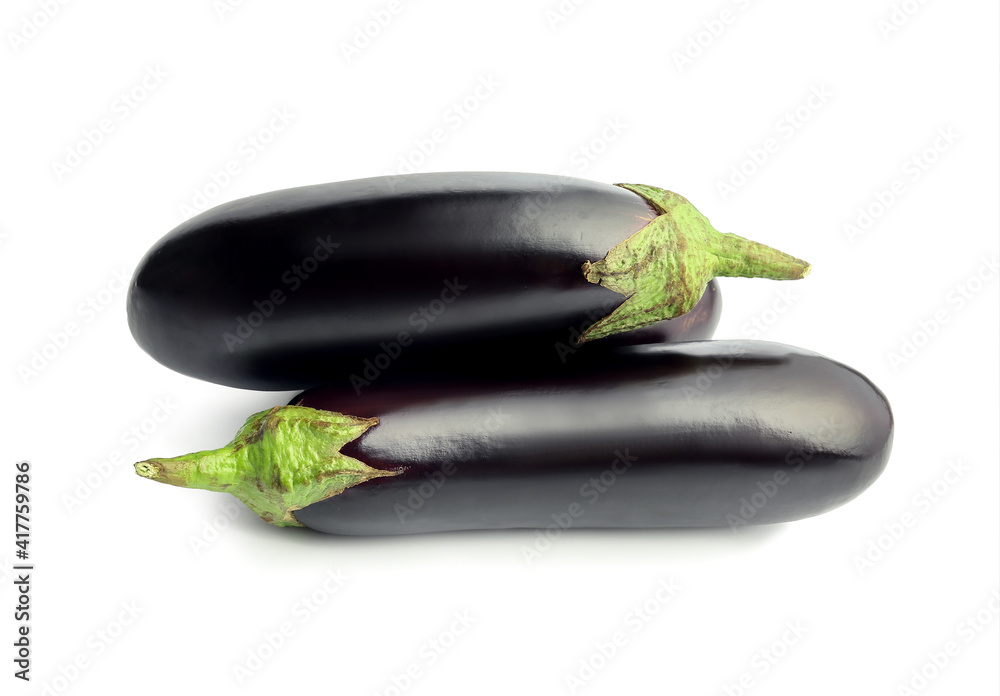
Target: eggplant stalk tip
[(280, 461)]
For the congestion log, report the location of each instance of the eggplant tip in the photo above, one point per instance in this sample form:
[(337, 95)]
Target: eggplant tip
[(145, 469)]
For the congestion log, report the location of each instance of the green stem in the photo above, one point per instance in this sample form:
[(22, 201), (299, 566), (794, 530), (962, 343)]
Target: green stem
[(736, 257), (280, 461), (211, 470), (663, 269)]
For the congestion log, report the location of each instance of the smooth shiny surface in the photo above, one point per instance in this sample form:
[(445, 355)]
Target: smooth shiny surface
[(702, 434), (294, 288)]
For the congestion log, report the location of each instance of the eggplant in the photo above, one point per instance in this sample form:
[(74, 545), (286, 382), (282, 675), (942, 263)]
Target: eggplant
[(698, 434), (341, 282)]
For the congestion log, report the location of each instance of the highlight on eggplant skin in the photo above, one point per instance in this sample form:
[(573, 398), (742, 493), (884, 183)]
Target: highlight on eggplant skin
[(317, 284), (697, 434)]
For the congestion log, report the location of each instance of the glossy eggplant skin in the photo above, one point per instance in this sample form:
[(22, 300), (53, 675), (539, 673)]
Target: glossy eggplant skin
[(322, 284), (701, 434)]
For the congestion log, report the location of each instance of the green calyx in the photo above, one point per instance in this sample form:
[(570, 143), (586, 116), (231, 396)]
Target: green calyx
[(663, 269), (280, 461)]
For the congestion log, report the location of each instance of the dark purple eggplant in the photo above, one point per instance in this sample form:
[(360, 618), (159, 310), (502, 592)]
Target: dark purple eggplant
[(341, 282), (701, 434)]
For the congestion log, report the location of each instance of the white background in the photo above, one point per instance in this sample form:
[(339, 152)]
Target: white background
[(162, 591)]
